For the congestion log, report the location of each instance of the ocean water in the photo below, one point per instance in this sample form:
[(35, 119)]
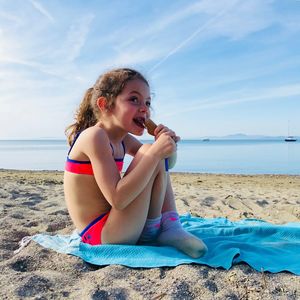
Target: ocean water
[(214, 156)]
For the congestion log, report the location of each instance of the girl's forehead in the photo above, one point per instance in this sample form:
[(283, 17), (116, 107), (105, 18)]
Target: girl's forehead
[(137, 85)]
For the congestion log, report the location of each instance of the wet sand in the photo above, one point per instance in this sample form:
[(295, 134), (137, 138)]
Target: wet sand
[(33, 202)]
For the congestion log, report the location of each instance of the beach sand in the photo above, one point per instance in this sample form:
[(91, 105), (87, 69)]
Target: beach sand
[(33, 202)]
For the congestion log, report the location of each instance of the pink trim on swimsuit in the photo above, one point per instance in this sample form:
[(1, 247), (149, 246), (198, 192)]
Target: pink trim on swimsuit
[(92, 233), (119, 164), (82, 167), (85, 167), (79, 167)]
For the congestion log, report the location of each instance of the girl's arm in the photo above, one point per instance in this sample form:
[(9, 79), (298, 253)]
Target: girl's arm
[(132, 145), (120, 192)]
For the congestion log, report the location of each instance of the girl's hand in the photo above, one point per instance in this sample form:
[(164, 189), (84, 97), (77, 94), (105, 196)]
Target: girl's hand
[(164, 145), (160, 129)]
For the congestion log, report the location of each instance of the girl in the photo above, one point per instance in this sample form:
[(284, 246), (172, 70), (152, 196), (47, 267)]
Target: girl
[(104, 206)]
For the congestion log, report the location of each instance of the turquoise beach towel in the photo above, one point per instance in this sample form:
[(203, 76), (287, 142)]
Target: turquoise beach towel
[(263, 246)]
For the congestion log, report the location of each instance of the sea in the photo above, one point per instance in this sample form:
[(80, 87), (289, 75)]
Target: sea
[(260, 156)]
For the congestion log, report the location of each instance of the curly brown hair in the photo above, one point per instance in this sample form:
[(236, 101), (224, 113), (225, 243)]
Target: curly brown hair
[(108, 85)]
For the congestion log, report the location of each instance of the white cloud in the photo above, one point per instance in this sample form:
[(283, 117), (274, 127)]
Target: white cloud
[(62, 54), (200, 29), (56, 70), (234, 19), (9, 17), (76, 37), (247, 17), (264, 94)]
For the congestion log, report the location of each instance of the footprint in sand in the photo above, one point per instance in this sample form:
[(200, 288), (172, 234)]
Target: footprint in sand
[(4, 194), (33, 200), (35, 285), (31, 224), (204, 273), (60, 212), (208, 201), (17, 215), (183, 291), (185, 202), (210, 285), (56, 226), (116, 293), (23, 265), (14, 194), (235, 203), (262, 203)]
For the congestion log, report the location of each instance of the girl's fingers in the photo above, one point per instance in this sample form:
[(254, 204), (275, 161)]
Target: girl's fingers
[(160, 129)]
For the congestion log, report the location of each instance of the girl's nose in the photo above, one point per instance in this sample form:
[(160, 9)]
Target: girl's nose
[(143, 108)]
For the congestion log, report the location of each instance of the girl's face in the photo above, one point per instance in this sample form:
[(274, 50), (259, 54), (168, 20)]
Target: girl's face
[(132, 106)]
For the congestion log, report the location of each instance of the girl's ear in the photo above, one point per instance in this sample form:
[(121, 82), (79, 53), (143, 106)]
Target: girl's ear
[(102, 103)]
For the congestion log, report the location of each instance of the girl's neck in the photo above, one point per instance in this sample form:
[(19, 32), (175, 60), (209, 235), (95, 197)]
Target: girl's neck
[(115, 134)]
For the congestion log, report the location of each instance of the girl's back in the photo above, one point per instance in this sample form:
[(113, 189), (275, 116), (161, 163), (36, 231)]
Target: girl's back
[(84, 199)]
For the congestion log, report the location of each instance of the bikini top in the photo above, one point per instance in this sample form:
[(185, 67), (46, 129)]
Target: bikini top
[(85, 167)]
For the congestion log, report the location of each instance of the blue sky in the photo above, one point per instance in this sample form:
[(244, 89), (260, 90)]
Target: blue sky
[(215, 67)]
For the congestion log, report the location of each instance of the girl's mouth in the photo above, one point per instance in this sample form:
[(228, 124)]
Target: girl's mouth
[(140, 122)]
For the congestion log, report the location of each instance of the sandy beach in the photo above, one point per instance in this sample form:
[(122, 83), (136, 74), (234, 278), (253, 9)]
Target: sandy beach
[(33, 202)]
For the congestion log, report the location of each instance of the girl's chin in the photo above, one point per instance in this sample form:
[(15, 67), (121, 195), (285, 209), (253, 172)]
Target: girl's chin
[(138, 132)]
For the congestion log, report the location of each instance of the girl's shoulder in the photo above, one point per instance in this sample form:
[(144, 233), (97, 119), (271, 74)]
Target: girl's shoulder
[(87, 142), (94, 136), (94, 132)]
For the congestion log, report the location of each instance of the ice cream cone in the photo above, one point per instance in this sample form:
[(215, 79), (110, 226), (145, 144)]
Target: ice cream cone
[(150, 126)]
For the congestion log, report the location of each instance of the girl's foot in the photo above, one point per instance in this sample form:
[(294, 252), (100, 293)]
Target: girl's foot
[(172, 234)]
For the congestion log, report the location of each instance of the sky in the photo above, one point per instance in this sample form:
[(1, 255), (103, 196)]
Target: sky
[(215, 67)]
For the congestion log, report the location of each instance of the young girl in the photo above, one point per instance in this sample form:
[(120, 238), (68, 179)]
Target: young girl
[(108, 208)]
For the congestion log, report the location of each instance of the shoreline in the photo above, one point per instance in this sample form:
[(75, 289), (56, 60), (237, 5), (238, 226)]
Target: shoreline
[(33, 202), (171, 172)]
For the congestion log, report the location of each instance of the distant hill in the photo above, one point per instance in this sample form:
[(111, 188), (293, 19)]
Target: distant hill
[(242, 136)]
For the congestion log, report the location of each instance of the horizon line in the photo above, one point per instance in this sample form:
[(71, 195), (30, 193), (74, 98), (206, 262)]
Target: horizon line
[(229, 136)]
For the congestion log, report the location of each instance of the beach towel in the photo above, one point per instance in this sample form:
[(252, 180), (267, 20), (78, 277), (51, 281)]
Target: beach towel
[(263, 246)]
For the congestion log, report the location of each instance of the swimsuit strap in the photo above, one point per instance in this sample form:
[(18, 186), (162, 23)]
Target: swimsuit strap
[(75, 138), (123, 144), (112, 148)]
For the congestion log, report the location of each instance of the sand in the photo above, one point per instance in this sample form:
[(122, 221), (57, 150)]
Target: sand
[(33, 202)]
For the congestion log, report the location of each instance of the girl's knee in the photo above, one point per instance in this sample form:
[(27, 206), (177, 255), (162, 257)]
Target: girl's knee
[(138, 157), (142, 151), (161, 168)]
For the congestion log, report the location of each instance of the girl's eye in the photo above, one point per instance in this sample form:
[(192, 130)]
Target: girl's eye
[(134, 99)]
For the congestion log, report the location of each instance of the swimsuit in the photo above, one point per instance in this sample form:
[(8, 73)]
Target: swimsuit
[(92, 233), (85, 167)]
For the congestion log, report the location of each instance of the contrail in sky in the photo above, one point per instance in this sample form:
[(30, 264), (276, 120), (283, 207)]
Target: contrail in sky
[(42, 10), (186, 41)]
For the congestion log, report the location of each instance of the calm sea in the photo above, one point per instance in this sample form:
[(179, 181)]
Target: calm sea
[(214, 156)]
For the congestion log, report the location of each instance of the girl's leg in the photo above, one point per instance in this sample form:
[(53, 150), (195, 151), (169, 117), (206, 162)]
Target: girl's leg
[(172, 233), (169, 201), (151, 228), (125, 226)]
